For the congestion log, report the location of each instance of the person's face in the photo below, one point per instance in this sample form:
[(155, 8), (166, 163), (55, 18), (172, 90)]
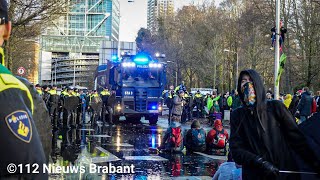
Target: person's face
[(181, 94), (245, 78)]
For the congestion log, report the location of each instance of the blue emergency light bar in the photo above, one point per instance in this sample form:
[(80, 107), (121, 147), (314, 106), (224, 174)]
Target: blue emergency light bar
[(141, 60), (114, 57)]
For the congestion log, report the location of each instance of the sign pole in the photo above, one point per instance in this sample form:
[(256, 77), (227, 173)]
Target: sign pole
[(277, 51)]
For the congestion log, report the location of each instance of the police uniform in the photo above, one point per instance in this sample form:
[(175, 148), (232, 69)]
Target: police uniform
[(198, 101), (53, 106), (187, 108), (105, 94), (19, 138)]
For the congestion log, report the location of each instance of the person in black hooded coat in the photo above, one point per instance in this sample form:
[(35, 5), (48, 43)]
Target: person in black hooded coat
[(264, 135)]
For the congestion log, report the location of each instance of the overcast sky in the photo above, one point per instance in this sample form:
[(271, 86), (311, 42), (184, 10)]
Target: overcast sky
[(134, 16)]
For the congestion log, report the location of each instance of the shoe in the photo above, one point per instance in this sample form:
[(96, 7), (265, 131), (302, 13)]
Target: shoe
[(272, 48)]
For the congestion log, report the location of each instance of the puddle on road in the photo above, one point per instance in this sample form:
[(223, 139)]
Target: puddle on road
[(125, 145)]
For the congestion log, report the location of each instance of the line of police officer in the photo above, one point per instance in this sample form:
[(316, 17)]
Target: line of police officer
[(68, 109)]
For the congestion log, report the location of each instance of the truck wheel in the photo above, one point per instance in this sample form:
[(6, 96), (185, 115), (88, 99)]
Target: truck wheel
[(153, 120)]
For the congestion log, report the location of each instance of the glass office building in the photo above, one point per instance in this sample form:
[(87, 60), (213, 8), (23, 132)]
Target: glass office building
[(70, 45)]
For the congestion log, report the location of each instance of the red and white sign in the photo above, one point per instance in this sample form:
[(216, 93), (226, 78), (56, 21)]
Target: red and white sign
[(21, 71)]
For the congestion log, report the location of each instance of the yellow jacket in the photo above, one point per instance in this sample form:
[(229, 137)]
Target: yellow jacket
[(288, 100)]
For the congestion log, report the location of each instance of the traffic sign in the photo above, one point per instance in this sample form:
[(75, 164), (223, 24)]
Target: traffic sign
[(21, 71)]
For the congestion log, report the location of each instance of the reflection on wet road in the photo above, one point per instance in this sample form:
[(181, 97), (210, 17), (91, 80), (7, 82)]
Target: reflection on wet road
[(127, 144)]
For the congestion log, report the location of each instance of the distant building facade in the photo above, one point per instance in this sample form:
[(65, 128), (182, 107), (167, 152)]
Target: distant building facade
[(158, 9), (70, 46)]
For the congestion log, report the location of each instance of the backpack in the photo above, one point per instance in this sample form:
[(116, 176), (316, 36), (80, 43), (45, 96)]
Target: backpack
[(176, 137), (220, 139), (198, 137)]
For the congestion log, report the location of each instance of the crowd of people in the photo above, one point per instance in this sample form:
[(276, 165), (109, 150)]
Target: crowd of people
[(262, 129), (69, 107), (195, 139), (182, 103)]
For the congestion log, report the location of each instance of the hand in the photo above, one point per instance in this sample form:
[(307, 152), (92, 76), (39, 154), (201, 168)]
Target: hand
[(268, 168)]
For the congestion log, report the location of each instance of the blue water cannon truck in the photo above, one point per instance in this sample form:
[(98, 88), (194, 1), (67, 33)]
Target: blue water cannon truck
[(138, 81)]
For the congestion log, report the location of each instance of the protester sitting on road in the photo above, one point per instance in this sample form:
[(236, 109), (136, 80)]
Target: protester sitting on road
[(264, 134), (228, 170), (217, 137), (173, 138), (195, 138)]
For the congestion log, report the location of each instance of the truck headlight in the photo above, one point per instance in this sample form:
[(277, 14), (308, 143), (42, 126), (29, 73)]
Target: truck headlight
[(118, 107)]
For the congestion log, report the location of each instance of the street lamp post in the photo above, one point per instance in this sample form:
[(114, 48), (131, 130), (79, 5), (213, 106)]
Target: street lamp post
[(176, 71), (227, 50), (119, 16), (55, 72), (74, 73)]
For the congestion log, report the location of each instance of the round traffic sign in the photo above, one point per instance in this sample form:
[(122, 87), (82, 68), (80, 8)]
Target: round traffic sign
[(21, 70)]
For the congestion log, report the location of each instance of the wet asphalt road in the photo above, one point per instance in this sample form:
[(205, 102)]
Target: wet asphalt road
[(126, 144)]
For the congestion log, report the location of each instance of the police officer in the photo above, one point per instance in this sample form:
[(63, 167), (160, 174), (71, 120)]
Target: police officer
[(198, 101), (19, 138), (78, 110), (39, 89), (95, 105), (45, 93), (187, 107), (67, 92), (104, 94), (53, 105)]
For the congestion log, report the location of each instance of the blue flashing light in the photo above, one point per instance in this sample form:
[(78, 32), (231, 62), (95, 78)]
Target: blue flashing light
[(154, 107), (153, 141), (114, 58), (141, 60)]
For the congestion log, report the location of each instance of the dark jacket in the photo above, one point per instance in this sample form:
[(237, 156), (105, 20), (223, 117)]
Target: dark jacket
[(305, 104), (294, 104), (236, 102), (177, 106), (267, 130)]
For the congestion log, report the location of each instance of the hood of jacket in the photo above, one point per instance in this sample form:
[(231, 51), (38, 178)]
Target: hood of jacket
[(258, 87)]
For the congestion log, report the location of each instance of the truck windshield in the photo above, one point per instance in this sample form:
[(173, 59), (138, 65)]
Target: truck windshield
[(140, 77)]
